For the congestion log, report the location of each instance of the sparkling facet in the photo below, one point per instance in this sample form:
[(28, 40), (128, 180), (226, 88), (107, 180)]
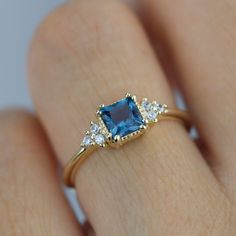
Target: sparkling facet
[(99, 139), (87, 140), (94, 128), (152, 115), (161, 108), (145, 104), (122, 118), (154, 108)]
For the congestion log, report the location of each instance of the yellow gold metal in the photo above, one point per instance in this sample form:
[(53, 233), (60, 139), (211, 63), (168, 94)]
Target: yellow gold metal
[(77, 160), (174, 113), (75, 163)]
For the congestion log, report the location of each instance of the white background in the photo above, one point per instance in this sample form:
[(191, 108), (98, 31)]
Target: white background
[(18, 21)]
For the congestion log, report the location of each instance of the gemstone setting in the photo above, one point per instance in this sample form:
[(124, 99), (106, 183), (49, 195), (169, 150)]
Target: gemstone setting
[(122, 118), (100, 139), (122, 121), (94, 128), (151, 110), (94, 136), (87, 141)]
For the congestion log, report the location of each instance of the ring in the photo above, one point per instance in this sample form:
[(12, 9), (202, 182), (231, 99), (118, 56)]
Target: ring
[(118, 123)]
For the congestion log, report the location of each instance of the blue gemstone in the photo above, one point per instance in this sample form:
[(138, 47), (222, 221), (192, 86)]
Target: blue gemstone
[(122, 118)]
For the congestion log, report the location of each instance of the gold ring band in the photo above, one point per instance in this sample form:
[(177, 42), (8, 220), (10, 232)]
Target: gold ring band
[(103, 132)]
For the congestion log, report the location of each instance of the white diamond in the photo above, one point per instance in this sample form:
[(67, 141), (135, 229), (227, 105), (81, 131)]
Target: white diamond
[(100, 139), (157, 108), (94, 128), (87, 140), (161, 108), (152, 115), (154, 108), (145, 104)]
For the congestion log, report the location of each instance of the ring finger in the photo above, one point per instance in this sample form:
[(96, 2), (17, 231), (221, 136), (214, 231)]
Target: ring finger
[(87, 53)]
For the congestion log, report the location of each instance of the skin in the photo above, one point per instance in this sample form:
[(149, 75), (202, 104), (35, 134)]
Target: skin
[(86, 53)]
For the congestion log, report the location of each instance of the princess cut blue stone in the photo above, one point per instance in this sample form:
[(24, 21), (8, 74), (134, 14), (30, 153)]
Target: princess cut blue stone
[(122, 118)]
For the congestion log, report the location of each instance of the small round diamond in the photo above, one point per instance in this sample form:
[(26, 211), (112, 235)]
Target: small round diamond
[(152, 115), (145, 104), (87, 140), (161, 108), (94, 128), (154, 107), (99, 139)]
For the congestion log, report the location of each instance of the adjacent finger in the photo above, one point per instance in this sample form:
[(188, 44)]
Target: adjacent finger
[(87, 53), (199, 39), (31, 199)]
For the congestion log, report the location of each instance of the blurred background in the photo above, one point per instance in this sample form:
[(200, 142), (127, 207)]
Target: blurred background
[(18, 21)]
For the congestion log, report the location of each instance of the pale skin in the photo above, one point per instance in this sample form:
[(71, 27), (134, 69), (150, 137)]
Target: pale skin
[(88, 53)]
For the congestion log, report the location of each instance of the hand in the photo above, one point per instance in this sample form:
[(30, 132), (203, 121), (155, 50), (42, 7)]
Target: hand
[(91, 52)]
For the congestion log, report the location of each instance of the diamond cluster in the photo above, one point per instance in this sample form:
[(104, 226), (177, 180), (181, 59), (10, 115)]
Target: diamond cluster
[(122, 118), (151, 110), (94, 136)]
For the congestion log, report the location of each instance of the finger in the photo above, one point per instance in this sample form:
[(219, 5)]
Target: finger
[(31, 199), (199, 38), (87, 53)]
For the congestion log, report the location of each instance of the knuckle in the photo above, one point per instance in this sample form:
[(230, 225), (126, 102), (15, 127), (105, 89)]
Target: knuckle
[(17, 127), (83, 27), (75, 35)]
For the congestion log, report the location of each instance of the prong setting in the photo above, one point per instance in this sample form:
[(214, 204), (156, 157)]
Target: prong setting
[(117, 139), (143, 127), (101, 134), (134, 98), (98, 112), (152, 110), (130, 120)]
